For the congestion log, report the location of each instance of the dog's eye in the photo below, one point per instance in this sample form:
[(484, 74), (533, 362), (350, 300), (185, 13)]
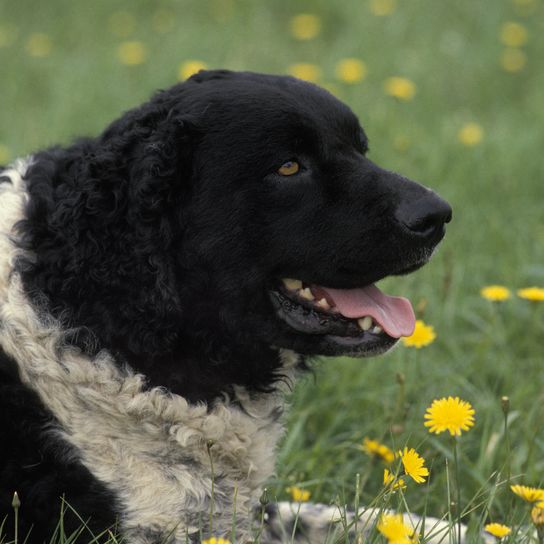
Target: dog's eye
[(289, 168)]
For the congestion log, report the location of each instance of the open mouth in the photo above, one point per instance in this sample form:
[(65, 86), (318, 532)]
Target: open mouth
[(354, 320)]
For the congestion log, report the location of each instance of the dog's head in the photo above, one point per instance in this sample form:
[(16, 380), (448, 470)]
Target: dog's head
[(235, 208)]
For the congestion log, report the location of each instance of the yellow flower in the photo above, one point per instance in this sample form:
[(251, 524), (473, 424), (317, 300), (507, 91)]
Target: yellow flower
[(122, 24), (423, 335), (215, 540), (5, 154), (513, 60), (395, 530), (451, 414), (498, 530), (381, 8), (306, 71), (389, 480), (529, 494), (413, 465), (513, 34), (495, 293), (189, 68), (298, 494), (39, 45), (470, 134), (376, 449), (400, 87), (536, 294), (305, 26), (537, 515), (131, 53), (351, 70)]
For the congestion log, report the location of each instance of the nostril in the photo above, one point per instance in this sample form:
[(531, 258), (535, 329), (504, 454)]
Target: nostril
[(425, 215)]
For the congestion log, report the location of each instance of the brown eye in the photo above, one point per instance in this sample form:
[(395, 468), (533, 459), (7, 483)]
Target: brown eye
[(289, 168)]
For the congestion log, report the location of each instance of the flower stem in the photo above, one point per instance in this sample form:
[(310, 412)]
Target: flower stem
[(457, 487)]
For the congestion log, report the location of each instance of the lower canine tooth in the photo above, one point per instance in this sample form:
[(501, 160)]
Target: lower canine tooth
[(292, 284), (306, 293), (323, 304), (377, 329), (365, 322)]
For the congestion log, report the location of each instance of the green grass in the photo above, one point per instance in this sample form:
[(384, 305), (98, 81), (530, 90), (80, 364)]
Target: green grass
[(451, 51)]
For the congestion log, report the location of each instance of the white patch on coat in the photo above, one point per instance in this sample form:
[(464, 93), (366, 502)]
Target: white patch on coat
[(150, 447)]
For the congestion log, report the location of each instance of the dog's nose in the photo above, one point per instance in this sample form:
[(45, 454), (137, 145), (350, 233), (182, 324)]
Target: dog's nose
[(424, 216)]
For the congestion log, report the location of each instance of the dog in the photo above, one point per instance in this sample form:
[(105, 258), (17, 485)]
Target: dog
[(163, 285)]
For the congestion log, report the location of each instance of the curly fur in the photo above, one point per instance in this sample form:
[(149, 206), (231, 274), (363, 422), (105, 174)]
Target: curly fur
[(141, 358)]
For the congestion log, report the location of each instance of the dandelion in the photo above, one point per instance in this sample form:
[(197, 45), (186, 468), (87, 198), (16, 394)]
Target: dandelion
[(413, 465), (470, 134), (190, 67), (39, 45), (395, 530), (498, 530), (537, 515), (305, 26), (382, 8), (535, 294), (122, 24), (377, 449), (215, 540), (351, 70), (513, 60), (449, 414), (298, 494), (495, 293), (529, 494), (400, 88), (131, 53), (423, 335), (389, 480), (306, 71), (513, 34)]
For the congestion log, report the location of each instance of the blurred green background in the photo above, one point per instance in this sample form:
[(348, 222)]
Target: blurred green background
[(466, 117)]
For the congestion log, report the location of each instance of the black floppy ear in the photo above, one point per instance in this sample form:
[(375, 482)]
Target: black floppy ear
[(155, 148), (106, 214)]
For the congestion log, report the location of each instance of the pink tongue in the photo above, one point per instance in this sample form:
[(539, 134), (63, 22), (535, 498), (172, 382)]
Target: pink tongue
[(394, 314)]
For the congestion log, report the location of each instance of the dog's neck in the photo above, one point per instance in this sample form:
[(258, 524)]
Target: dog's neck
[(144, 442)]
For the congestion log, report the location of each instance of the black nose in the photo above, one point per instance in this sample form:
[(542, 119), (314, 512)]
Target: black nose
[(424, 216)]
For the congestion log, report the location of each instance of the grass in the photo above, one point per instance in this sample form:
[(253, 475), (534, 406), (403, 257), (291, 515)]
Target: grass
[(451, 51)]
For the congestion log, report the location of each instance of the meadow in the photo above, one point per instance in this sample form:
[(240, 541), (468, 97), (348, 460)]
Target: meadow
[(464, 114)]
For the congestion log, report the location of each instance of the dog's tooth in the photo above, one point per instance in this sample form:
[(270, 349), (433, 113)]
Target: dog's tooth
[(377, 329), (292, 284), (365, 322), (306, 293), (323, 304)]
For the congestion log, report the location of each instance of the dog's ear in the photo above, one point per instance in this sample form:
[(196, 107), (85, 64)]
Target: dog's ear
[(106, 214)]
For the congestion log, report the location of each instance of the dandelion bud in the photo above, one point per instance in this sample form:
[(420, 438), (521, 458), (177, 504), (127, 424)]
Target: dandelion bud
[(16, 502), (264, 497), (401, 378), (505, 403)]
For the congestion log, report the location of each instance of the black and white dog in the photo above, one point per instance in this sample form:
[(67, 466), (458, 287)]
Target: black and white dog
[(161, 286)]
